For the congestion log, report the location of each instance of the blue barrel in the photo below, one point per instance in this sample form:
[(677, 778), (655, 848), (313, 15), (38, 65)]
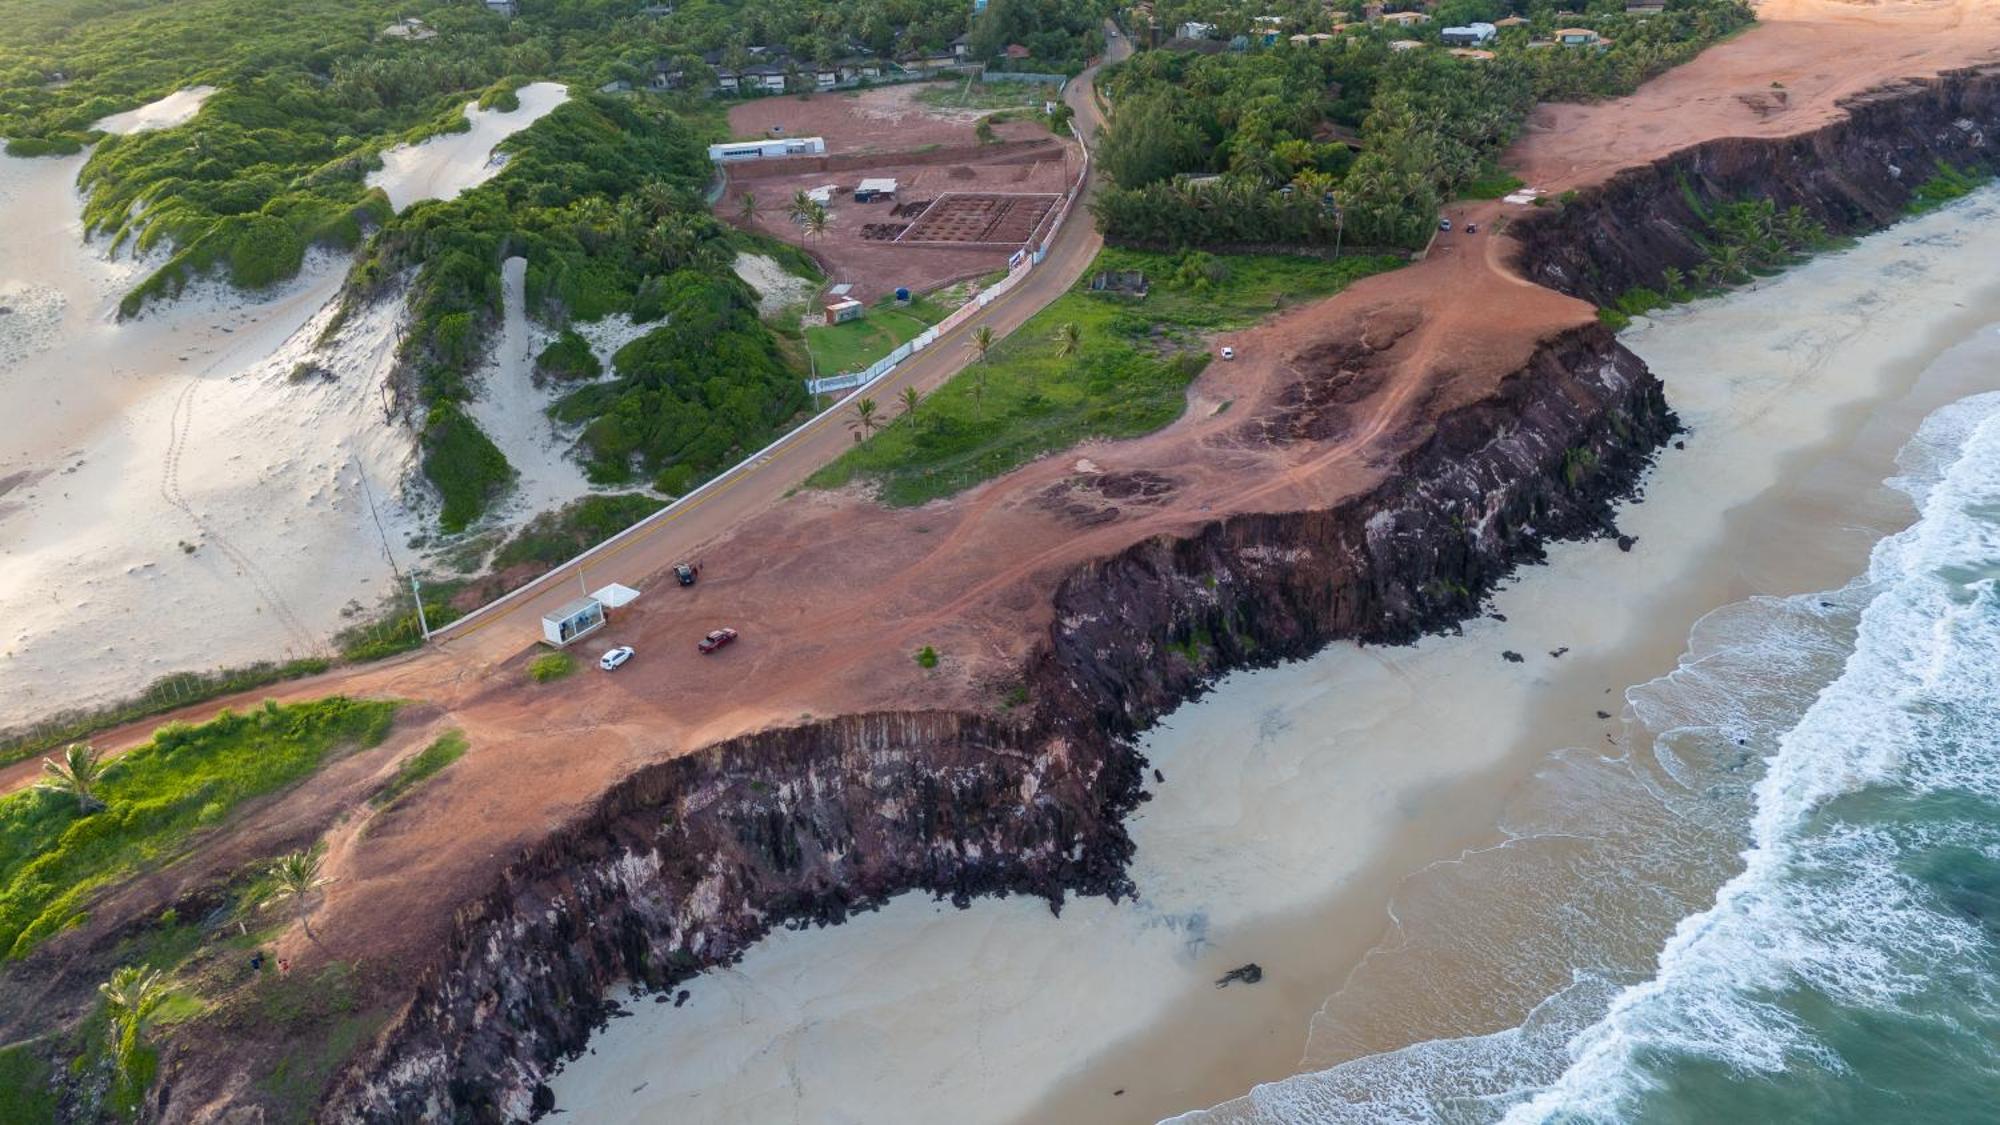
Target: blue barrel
[(902, 293)]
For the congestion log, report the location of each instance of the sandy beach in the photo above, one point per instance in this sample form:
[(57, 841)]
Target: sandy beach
[(1296, 800)]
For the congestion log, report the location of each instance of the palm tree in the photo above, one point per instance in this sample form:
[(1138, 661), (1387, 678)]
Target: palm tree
[(816, 221), (296, 877), (978, 392), (1672, 280), (866, 419), (746, 208), (801, 206), (910, 398), (1732, 262), (81, 768), (1069, 338), (130, 997), (980, 343)]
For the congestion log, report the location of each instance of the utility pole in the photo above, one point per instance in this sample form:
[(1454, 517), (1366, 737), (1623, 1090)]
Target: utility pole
[(422, 624)]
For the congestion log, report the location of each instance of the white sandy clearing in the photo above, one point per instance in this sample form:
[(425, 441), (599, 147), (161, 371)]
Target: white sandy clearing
[(777, 288), (1296, 798), (175, 109), (449, 163), (514, 411), (182, 426)]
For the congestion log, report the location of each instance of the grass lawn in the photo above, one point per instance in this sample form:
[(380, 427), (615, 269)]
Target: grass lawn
[(858, 343), (1128, 377), (52, 856), (987, 95)]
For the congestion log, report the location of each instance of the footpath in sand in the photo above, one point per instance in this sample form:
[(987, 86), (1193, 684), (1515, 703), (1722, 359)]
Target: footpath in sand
[(833, 592)]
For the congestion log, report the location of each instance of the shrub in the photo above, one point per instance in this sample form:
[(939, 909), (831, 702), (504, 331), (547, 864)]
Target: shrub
[(551, 666), (927, 657), (420, 767), (464, 464), (558, 536), (568, 359)]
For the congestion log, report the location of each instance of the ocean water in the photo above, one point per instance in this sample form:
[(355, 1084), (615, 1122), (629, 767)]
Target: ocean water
[(1778, 899)]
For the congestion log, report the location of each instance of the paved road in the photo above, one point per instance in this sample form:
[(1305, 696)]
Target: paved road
[(680, 534)]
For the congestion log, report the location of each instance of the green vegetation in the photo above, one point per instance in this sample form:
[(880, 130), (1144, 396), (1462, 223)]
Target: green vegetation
[(858, 343), (568, 359), (986, 95), (1350, 140), (1946, 184), (1491, 183), (165, 694), (688, 399), (1128, 373), (1745, 239), (422, 766), (927, 658), (400, 631), (551, 666), (559, 536), (52, 856), (464, 464), (325, 1014), (25, 1098)]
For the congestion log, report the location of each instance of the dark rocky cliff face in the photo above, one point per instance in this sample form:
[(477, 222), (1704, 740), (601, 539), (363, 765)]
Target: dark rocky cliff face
[(1853, 176), (685, 864)]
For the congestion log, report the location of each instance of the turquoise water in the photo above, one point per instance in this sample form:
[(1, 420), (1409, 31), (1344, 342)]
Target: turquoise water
[(1851, 972), (1783, 904)]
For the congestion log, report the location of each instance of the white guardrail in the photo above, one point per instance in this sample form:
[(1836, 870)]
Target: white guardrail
[(1023, 263)]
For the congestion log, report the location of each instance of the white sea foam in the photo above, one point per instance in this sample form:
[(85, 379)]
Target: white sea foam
[(1822, 903)]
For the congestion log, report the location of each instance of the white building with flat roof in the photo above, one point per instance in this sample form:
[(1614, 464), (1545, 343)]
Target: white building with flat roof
[(730, 151)]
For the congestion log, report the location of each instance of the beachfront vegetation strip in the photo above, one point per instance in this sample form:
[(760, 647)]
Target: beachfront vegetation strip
[(165, 694), (54, 854), (1124, 372), (1351, 139), (1743, 240)]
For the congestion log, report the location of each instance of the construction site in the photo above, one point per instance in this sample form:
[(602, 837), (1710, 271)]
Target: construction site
[(959, 206)]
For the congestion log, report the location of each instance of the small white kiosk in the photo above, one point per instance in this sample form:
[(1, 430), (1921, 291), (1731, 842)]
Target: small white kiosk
[(577, 619)]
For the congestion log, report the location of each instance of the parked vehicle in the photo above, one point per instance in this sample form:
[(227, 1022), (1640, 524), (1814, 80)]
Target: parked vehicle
[(716, 640), (611, 661), (1444, 224), (684, 574), (1229, 353), (1472, 228)]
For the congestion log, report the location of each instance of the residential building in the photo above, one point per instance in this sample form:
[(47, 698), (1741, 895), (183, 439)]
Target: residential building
[(1471, 35)]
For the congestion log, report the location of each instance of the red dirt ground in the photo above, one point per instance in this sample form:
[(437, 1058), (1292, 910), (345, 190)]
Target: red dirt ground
[(888, 121), (832, 592)]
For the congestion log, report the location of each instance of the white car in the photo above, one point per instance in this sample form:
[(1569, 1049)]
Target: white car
[(1229, 353), (611, 660)]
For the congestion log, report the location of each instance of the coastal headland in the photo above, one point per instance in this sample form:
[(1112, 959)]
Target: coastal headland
[(1367, 469)]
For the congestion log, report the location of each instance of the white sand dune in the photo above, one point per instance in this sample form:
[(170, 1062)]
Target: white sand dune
[(176, 108), (179, 429), (175, 498), (514, 411), (445, 165), (1297, 798)]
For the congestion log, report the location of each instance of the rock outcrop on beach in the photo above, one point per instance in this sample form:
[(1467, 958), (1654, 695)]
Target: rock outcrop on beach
[(686, 863), (1854, 176)]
